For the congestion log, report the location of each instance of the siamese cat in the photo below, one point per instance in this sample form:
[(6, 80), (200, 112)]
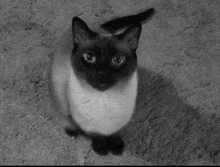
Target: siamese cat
[(94, 80)]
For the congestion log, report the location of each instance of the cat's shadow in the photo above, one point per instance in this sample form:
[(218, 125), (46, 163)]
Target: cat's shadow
[(164, 129)]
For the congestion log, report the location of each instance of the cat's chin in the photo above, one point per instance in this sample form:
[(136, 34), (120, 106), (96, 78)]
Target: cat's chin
[(102, 87)]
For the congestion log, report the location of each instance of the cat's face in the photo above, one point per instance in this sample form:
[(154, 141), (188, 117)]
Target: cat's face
[(102, 61)]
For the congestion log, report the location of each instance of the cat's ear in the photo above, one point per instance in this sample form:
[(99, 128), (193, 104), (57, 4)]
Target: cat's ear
[(80, 30), (130, 36)]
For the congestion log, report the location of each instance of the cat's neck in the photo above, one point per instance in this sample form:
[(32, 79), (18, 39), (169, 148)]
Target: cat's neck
[(103, 112)]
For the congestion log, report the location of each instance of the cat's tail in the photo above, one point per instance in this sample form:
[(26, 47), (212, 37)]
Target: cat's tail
[(120, 23)]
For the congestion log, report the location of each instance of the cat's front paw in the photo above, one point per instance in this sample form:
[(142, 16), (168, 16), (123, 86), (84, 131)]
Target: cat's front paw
[(100, 146), (116, 145)]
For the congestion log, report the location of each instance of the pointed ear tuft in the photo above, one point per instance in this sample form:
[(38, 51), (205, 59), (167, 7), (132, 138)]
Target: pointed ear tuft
[(81, 31), (131, 36)]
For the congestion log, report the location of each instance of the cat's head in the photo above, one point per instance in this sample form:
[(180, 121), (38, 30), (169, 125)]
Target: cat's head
[(104, 60)]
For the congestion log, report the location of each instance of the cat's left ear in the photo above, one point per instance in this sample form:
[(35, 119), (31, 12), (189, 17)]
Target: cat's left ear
[(130, 36), (80, 30)]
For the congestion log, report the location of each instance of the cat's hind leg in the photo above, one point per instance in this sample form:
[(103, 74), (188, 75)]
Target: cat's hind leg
[(71, 132), (70, 129), (66, 124)]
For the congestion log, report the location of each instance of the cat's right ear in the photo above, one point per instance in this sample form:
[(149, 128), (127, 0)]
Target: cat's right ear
[(131, 36), (80, 30)]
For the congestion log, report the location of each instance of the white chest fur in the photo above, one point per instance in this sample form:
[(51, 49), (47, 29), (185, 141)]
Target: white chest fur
[(102, 112)]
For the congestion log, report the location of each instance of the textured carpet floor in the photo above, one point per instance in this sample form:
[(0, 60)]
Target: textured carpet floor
[(177, 118)]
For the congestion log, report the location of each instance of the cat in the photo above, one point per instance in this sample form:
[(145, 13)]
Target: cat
[(94, 80)]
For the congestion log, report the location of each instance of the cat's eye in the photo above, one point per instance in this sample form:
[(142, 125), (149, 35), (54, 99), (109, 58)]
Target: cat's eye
[(89, 57), (117, 61)]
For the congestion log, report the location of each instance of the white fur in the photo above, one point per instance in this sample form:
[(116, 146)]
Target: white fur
[(102, 112)]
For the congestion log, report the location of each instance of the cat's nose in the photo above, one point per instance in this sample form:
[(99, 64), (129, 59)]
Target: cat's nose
[(102, 73)]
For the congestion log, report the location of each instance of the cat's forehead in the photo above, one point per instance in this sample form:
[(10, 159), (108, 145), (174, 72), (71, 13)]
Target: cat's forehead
[(111, 41), (105, 42)]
